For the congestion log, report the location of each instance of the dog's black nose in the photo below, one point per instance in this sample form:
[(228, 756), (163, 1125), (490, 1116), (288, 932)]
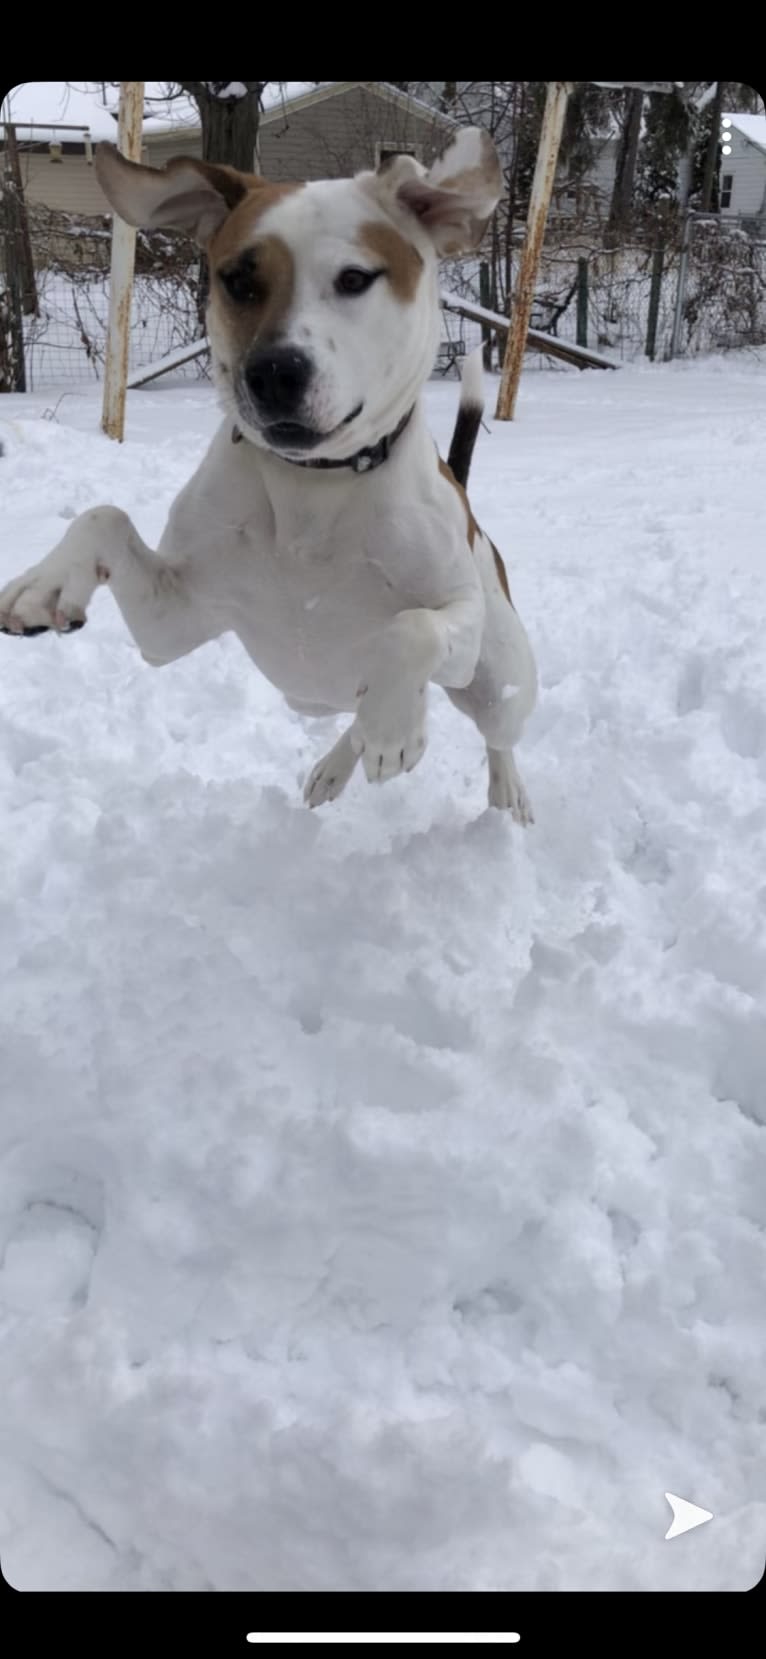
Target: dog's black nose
[(277, 377)]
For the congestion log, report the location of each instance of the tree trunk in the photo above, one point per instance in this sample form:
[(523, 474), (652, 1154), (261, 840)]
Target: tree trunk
[(24, 250), (624, 178), (711, 154), (229, 125)]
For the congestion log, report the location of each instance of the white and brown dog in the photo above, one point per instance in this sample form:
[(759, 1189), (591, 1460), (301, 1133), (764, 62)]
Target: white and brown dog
[(322, 528)]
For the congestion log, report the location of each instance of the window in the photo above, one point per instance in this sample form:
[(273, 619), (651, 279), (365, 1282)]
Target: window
[(727, 183), (387, 152)]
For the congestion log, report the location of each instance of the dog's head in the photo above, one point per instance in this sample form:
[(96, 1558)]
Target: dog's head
[(323, 315)]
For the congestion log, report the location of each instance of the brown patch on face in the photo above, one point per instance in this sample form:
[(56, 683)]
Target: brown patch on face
[(473, 528), (403, 263), (502, 575), (261, 268), (237, 232)]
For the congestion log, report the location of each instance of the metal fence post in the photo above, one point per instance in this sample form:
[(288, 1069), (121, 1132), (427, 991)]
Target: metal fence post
[(582, 302), (658, 259), (484, 299), (683, 265)]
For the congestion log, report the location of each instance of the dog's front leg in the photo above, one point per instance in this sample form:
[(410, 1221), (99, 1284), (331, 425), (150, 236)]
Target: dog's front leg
[(419, 645), (102, 545)]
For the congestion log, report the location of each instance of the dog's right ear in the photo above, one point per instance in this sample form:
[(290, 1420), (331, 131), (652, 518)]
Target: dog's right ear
[(456, 198), (187, 195)]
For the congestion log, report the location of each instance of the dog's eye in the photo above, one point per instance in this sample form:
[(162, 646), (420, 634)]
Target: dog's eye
[(242, 283), (354, 281)]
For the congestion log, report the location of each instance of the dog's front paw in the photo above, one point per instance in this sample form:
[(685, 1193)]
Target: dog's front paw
[(383, 761), (390, 746), (46, 596)]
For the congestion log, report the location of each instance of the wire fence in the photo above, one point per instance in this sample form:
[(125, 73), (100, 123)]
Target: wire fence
[(585, 294), (602, 298), (723, 297), (65, 341)]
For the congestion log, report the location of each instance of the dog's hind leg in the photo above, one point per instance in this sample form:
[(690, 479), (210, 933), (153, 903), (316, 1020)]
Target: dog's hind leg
[(499, 700), (103, 546), (329, 777)]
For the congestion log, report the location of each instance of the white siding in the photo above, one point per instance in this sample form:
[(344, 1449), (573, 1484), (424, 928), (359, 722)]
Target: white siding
[(747, 165), (164, 146), (602, 171)]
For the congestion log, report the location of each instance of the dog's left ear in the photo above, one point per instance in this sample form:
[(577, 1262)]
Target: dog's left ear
[(454, 201), (189, 195)]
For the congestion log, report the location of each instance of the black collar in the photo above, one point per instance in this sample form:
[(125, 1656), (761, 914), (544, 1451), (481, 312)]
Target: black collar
[(365, 460)]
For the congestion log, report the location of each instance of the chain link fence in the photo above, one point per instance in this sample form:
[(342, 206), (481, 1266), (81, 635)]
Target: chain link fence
[(722, 304), (585, 295), (65, 341)]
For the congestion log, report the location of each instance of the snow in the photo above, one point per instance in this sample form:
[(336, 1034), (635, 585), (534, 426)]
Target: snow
[(479, 313), (229, 89), (172, 360), (383, 1190)]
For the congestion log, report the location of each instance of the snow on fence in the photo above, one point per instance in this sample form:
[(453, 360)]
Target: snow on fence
[(724, 305)]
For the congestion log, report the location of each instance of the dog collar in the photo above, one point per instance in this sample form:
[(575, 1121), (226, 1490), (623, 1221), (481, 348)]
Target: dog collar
[(365, 460)]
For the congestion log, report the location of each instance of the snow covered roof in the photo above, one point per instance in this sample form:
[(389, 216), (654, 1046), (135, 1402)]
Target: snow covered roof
[(94, 105), (83, 104), (752, 127), (289, 96)]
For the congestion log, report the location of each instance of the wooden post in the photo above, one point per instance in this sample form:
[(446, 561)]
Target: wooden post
[(582, 302), (121, 274), (542, 185), (658, 258)]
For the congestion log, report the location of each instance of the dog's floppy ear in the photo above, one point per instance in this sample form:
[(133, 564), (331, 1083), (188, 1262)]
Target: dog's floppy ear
[(187, 195), (454, 201)]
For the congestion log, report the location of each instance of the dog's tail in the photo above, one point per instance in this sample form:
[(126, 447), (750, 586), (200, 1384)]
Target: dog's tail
[(468, 417)]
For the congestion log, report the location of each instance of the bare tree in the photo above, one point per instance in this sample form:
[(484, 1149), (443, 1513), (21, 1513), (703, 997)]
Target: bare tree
[(229, 113), (625, 172), (711, 151)]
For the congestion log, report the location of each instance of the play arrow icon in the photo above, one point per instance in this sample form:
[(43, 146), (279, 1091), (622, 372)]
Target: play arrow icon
[(685, 1515)]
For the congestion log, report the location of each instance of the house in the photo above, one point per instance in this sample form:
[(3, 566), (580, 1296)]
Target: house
[(743, 173), (306, 132), (330, 131), (589, 195)]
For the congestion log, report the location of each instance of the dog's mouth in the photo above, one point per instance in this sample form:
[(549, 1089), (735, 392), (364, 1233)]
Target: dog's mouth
[(292, 436)]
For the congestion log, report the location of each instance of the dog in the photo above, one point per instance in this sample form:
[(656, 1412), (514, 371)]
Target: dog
[(322, 527)]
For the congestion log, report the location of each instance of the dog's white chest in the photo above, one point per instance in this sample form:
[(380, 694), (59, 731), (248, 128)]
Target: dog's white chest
[(302, 590), (307, 570), (307, 616)]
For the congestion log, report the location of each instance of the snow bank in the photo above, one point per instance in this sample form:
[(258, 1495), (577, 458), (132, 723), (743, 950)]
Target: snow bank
[(382, 1191)]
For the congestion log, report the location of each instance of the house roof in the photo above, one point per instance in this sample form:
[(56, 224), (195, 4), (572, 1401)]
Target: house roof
[(93, 105), (752, 127), (283, 102)]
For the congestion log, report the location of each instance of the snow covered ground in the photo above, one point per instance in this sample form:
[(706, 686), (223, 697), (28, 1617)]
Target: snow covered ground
[(383, 1190)]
